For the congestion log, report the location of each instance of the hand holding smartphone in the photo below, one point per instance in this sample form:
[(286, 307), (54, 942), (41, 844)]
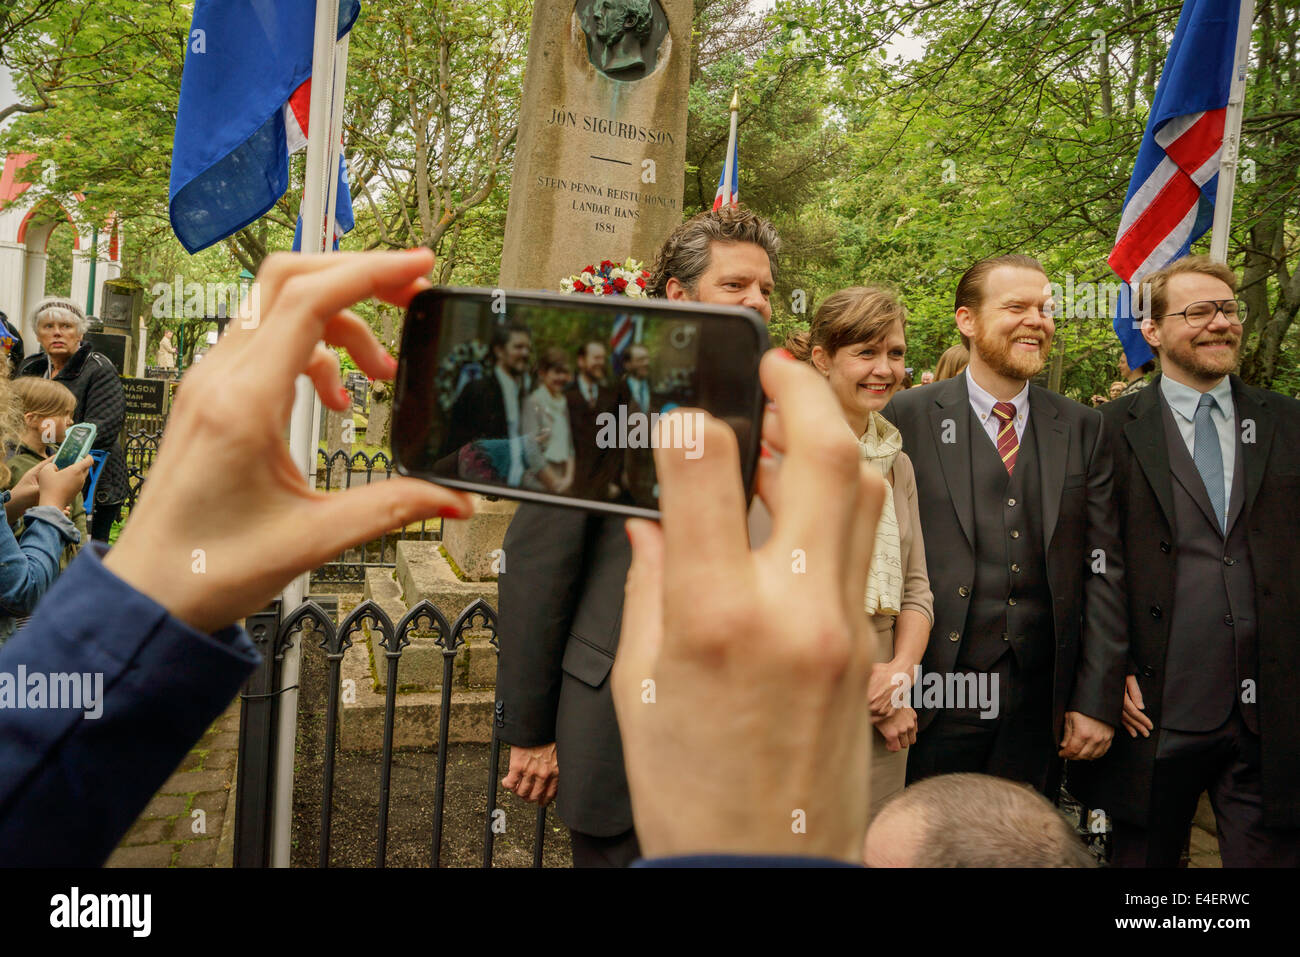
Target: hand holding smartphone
[(558, 399), (76, 444)]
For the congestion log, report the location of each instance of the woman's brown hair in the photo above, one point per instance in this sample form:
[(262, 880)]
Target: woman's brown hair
[(853, 315), (952, 363)]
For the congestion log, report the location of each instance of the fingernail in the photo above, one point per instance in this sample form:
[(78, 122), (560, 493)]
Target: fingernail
[(765, 453), (452, 511), (344, 398), (785, 354)]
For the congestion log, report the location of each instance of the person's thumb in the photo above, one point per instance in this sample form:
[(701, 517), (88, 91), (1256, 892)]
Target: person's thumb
[(643, 616)]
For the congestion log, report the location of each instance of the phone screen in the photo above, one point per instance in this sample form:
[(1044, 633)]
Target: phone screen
[(558, 398), (75, 445)]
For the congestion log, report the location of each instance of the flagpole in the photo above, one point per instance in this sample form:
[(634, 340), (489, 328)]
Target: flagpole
[(336, 139), (305, 418), (1232, 136), (728, 162)]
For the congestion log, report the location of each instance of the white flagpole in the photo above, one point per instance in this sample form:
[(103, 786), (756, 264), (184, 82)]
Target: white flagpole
[(336, 140), (1232, 136), (729, 163), (304, 421)]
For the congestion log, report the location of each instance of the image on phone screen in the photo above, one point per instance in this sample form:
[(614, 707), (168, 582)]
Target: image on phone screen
[(560, 397)]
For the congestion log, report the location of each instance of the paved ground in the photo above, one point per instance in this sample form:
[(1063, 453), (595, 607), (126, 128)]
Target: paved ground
[(183, 824)]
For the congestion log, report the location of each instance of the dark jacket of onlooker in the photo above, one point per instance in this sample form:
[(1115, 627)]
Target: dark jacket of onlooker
[(91, 377)]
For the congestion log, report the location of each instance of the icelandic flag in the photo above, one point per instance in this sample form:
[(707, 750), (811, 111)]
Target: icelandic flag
[(731, 164), (623, 334), (236, 125), (1170, 202)]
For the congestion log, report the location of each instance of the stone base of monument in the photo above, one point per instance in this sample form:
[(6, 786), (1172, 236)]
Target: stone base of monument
[(475, 543), (423, 572)]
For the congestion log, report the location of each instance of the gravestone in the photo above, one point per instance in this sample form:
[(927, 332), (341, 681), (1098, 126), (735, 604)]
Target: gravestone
[(600, 161), (144, 396)]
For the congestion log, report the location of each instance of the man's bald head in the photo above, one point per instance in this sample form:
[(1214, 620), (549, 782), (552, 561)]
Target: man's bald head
[(972, 820)]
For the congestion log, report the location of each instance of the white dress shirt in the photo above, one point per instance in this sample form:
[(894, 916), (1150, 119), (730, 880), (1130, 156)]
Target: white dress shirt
[(1183, 399), (982, 402)]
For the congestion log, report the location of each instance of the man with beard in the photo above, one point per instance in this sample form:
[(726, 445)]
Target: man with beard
[(1207, 476), (1021, 539), (488, 407), (561, 588)]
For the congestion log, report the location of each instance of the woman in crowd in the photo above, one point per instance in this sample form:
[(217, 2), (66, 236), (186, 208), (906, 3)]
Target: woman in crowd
[(952, 363), (29, 563), (856, 340), (46, 408), (64, 357), (546, 412)]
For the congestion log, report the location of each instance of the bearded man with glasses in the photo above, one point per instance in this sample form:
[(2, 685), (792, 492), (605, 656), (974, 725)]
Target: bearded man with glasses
[(1207, 476)]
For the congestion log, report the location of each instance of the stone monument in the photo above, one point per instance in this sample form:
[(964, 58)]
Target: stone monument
[(600, 163), (599, 174)]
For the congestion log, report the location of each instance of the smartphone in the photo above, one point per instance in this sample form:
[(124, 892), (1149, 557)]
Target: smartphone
[(552, 398), (76, 443)]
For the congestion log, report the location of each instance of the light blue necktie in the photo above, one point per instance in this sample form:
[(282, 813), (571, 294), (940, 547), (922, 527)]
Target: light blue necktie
[(1209, 457)]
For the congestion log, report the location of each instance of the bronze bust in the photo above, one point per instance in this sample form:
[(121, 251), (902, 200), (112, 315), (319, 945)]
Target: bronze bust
[(623, 36)]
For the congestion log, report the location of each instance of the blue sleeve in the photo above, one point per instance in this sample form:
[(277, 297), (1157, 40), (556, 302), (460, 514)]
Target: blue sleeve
[(137, 688), (29, 566)]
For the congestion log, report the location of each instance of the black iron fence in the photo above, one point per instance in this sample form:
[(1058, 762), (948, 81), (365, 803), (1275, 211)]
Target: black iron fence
[(274, 635), (140, 438), (343, 470)]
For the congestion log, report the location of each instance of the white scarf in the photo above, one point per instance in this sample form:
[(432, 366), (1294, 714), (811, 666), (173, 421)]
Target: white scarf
[(880, 445)]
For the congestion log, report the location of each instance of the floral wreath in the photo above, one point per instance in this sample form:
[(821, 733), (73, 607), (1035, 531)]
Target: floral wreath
[(451, 368), (610, 279)]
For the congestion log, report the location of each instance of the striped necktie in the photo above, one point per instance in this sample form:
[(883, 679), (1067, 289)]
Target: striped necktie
[(1008, 444)]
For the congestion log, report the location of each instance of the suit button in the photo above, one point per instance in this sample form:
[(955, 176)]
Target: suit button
[(1229, 561), (1228, 620), (1005, 636), (1015, 567), (1148, 672), (963, 591), (1011, 601), (1011, 502), (1165, 547), (953, 636), (1015, 534), (501, 714), (1155, 611)]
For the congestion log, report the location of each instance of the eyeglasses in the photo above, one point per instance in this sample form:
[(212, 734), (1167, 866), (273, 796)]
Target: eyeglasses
[(1200, 314)]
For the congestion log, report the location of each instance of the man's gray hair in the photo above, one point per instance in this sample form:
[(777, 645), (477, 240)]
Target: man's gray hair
[(55, 308)]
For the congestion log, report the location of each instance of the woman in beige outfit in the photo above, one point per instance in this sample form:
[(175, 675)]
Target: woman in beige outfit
[(856, 340)]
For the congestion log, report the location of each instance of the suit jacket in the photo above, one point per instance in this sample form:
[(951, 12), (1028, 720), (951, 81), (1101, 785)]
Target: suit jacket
[(479, 412), (594, 468), (560, 600), (1080, 531), (1120, 782), (639, 476)]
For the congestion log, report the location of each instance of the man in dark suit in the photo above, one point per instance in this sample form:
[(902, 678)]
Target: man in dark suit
[(561, 598), (1207, 480), (635, 394), (1014, 483), (595, 469), (488, 407)]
